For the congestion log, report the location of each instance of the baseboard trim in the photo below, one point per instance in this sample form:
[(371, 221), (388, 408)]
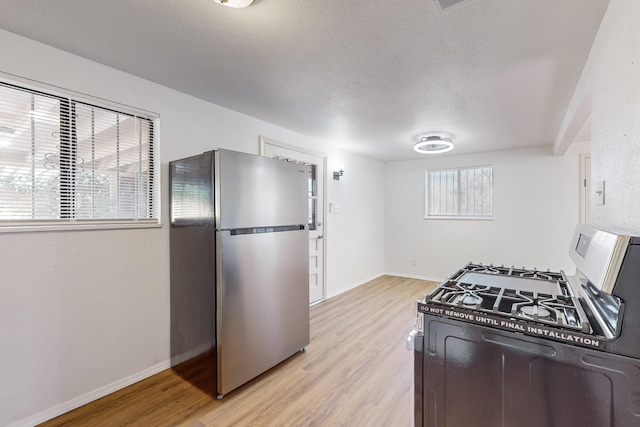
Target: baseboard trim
[(202, 348), (375, 276), (79, 401), (354, 285), (414, 276)]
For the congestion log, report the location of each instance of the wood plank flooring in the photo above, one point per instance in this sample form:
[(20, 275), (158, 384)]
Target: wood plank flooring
[(356, 372)]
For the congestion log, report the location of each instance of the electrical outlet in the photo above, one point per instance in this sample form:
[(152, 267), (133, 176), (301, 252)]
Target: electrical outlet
[(413, 262)]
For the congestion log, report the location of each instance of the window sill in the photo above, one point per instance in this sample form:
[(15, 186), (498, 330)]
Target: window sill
[(473, 218), (79, 225)]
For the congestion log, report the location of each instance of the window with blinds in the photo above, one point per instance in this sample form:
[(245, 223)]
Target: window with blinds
[(460, 193), (65, 162)]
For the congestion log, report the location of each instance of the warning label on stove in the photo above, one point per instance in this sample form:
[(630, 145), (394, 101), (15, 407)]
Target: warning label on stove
[(511, 324)]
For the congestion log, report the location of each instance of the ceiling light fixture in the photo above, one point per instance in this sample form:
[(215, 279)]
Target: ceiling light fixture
[(433, 145), (234, 3)]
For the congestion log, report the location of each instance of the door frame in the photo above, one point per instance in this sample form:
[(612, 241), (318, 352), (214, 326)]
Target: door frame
[(264, 140), (585, 188)]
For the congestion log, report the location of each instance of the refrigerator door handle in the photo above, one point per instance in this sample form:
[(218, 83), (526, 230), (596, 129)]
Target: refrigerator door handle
[(261, 230)]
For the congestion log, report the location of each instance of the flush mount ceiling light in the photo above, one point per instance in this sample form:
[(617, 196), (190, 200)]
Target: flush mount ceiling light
[(433, 145), (234, 3)]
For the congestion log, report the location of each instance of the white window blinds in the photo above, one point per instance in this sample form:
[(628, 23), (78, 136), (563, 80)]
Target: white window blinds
[(465, 193), (65, 161)]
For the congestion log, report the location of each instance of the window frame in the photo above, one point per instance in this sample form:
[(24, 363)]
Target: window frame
[(430, 216), (68, 99)]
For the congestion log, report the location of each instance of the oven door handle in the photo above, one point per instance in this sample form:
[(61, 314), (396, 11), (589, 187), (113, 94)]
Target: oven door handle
[(411, 340), (418, 327)]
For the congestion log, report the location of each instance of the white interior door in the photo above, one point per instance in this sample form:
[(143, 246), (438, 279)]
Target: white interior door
[(315, 163)]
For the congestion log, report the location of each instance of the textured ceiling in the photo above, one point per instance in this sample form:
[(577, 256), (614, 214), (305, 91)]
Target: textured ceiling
[(371, 76)]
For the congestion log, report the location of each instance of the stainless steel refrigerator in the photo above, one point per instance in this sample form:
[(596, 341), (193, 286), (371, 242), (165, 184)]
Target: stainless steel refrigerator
[(239, 266)]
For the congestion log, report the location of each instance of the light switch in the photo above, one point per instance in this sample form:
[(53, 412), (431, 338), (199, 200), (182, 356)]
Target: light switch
[(336, 208), (600, 193)]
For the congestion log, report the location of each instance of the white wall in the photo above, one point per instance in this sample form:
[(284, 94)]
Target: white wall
[(84, 313), (360, 222), (614, 69), (535, 212)]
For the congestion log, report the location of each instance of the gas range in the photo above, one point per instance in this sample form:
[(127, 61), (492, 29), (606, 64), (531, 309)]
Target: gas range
[(533, 342), (529, 301), (587, 309)]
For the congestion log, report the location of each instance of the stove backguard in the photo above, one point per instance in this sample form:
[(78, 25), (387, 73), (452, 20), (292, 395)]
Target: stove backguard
[(627, 289), (616, 305)]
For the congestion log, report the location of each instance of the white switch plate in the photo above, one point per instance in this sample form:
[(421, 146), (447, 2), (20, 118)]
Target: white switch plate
[(600, 193), (336, 208)]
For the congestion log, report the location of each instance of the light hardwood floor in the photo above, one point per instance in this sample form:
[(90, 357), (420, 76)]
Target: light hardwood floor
[(355, 372)]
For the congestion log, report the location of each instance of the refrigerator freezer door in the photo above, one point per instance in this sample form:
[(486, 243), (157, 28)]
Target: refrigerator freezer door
[(191, 190), (263, 303), (254, 191)]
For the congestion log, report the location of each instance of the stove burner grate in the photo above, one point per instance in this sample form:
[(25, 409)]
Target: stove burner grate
[(513, 271), (562, 310)]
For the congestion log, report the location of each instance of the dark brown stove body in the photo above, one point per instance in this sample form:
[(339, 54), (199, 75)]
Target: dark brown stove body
[(504, 347)]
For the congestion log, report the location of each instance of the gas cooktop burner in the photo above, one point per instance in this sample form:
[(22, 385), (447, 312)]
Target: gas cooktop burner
[(487, 269), (531, 311), (516, 272), (547, 300)]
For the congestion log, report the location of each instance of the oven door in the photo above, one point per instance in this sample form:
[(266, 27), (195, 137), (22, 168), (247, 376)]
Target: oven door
[(475, 376)]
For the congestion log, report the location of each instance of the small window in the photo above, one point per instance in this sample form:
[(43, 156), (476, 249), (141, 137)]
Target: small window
[(312, 190), (460, 193), (69, 163)]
